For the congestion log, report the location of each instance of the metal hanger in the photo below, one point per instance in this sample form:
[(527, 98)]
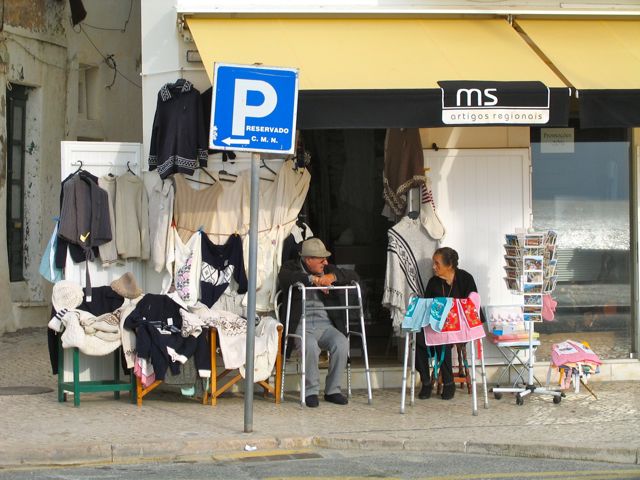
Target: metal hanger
[(79, 168), (206, 173), (264, 164), (129, 169), (197, 181), (222, 171)]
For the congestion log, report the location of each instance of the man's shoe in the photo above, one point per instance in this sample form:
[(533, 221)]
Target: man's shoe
[(336, 398), (311, 401), (448, 391), (425, 391)]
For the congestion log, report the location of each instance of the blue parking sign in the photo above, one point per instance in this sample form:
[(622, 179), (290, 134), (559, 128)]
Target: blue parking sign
[(253, 108)]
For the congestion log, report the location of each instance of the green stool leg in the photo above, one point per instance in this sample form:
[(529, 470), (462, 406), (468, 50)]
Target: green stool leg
[(134, 389), (76, 377), (116, 372), (60, 370)]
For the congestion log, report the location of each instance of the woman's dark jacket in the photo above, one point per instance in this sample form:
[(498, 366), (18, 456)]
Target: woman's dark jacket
[(463, 285)]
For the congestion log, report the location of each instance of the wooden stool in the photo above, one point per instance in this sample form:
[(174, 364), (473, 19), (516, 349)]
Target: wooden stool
[(463, 376), (214, 391)]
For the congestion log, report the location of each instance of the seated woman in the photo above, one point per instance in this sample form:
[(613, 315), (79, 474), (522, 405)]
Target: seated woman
[(448, 281)]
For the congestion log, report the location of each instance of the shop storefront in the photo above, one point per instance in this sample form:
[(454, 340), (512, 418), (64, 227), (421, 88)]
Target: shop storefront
[(518, 131)]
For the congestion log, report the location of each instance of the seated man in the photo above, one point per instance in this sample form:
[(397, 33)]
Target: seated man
[(324, 329)]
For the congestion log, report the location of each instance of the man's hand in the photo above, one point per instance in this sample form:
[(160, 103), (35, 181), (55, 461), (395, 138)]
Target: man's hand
[(324, 281)]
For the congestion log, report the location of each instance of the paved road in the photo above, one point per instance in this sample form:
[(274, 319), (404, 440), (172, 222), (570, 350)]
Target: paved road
[(322, 464)]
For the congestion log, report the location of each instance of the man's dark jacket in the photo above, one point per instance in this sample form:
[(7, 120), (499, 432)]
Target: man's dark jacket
[(292, 272)]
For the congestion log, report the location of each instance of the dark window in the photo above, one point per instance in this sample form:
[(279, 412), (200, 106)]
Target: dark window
[(16, 114)]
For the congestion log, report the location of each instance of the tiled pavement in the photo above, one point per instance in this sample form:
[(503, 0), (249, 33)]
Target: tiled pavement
[(39, 430)]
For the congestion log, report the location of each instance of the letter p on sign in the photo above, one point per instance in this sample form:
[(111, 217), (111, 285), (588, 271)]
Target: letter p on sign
[(240, 108)]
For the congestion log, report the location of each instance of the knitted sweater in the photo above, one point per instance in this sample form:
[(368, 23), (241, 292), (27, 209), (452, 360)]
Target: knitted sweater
[(178, 138), (161, 194), (219, 264), (132, 217), (108, 251), (409, 265)]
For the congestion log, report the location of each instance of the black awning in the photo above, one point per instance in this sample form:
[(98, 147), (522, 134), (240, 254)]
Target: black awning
[(326, 109), (609, 108)]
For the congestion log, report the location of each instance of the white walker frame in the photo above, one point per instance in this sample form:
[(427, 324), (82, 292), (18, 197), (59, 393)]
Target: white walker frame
[(410, 345), (354, 286)]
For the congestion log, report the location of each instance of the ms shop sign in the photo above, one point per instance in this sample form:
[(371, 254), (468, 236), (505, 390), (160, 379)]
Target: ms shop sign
[(253, 108)]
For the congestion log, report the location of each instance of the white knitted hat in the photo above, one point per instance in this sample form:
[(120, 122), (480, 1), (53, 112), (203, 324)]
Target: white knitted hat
[(428, 215), (66, 294)]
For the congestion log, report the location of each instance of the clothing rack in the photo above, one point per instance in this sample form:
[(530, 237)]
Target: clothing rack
[(81, 164)]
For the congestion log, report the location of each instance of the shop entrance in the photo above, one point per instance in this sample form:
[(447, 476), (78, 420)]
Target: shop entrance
[(480, 195), (343, 208)]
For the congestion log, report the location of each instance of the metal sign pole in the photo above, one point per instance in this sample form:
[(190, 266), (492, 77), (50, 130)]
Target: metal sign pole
[(251, 303)]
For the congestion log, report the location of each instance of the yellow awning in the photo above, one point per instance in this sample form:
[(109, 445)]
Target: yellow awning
[(369, 54), (591, 54)]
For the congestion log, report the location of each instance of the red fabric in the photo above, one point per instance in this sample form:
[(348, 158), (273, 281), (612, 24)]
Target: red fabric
[(453, 319), (470, 312)]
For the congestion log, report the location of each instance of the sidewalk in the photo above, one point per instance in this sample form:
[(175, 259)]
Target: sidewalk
[(37, 430)]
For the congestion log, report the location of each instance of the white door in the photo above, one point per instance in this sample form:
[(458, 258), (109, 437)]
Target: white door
[(480, 195), (99, 158)]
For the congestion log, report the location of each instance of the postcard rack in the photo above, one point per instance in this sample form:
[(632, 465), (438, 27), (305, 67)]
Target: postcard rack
[(530, 273)]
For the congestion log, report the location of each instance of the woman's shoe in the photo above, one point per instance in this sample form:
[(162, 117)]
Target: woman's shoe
[(448, 391), (425, 391)]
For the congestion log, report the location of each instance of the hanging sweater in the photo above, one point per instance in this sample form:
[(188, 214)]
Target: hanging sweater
[(108, 251), (84, 216), (194, 209), (403, 159), (161, 195), (409, 265), (76, 251), (280, 204), (186, 265), (178, 137), (219, 264), (132, 217)]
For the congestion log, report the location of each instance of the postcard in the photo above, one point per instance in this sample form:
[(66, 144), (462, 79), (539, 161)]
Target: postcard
[(532, 262), (532, 277), (538, 251), (550, 252), (535, 299), (512, 272), (550, 284), (534, 240), (532, 308), (532, 317), (512, 240), (513, 262), (512, 284), (532, 288), (512, 250)]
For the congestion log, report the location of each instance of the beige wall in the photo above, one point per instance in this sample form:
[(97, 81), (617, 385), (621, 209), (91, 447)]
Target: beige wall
[(115, 104), (476, 137), (42, 52)]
